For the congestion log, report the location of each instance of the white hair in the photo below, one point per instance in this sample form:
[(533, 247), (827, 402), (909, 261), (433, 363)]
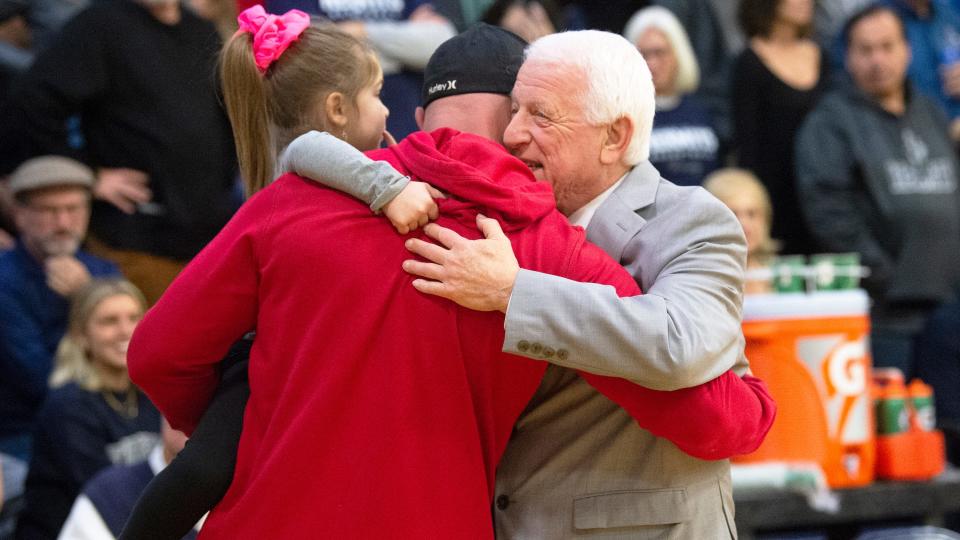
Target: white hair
[(662, 19), (618, 80)]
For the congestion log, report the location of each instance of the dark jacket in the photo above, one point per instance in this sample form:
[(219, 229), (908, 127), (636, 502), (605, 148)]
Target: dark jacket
[(146, 97)]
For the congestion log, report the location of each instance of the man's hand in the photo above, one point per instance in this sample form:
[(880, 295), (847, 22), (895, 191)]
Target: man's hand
[(413, 207), (529, 21), (66, 275), (388, 138), (951, 79), (355, 28), (955, 130), (477, 274), (426, 13), (123, 188), (6, 241)]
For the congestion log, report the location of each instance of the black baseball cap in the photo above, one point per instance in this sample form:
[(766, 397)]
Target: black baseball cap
[(483, 58)]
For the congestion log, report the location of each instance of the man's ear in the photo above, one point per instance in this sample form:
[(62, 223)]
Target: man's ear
[(418, 116), (617, 137), (335, 109)]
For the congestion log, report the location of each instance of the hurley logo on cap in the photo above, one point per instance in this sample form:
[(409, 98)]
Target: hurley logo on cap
[(442, 87)]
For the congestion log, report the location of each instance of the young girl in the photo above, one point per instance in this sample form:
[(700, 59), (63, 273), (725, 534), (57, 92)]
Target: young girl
[(274, 91)]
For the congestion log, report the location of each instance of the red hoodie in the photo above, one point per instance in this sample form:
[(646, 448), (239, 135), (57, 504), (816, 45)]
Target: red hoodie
[(375, 411)]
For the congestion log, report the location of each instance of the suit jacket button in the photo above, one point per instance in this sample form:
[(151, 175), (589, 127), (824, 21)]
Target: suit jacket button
[(503, 502), (523, 346), (562, 354), (548, 352), (536, 348)]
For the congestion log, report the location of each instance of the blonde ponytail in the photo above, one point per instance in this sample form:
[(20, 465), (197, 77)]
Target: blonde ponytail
[(246, 101)]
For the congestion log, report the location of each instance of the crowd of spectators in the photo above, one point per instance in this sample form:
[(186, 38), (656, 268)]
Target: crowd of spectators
[(825, 125)]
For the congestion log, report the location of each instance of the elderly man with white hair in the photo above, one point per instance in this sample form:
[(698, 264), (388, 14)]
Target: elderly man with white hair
[(577, 466)]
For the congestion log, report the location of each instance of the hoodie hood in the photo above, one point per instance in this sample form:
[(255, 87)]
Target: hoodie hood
[(476, 173)]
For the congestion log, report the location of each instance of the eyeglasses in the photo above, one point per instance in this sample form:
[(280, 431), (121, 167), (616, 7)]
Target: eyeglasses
[(654, 53), (51, 212)]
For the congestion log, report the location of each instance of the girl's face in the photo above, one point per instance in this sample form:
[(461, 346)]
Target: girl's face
[(656, 50), (109, 330), (365, 128)]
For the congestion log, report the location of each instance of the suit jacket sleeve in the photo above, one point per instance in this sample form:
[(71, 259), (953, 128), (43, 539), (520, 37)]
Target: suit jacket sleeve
[(721, 418), (176, 350), (683, 332)]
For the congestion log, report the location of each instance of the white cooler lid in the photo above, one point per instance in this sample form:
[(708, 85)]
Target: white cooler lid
[(818, 305)]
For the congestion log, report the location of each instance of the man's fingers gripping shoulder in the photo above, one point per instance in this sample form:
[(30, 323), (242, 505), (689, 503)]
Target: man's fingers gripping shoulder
[(431, 287), (424, 269), (489, 227), (443, 235), (431, 252)]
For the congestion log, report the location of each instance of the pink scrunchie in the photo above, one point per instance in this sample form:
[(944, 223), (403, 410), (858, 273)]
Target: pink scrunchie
[(272, 34)]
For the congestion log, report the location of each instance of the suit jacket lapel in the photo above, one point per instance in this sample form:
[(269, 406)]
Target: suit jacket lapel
[(617, 221)]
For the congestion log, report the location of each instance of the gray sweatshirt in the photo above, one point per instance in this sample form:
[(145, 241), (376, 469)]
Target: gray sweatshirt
[(885, 186), (334, 163)]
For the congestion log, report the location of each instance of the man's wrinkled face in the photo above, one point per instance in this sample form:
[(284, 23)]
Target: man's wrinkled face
[(53, 221), (549, 131), (878, 54)]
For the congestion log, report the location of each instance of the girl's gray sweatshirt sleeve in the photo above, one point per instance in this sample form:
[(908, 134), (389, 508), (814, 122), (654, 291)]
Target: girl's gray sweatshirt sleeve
[(332, 162)]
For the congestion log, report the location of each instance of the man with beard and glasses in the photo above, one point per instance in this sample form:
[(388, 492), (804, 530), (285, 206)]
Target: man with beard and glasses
[(37, 278)]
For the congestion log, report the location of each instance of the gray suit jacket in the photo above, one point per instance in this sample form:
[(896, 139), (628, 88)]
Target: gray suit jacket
[(577, 465)]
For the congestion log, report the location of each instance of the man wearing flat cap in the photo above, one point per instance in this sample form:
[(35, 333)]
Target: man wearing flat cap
[(37, 277)]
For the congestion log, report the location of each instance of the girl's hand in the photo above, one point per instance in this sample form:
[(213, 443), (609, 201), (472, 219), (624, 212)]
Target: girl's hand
[(413, 207), (388, 138)]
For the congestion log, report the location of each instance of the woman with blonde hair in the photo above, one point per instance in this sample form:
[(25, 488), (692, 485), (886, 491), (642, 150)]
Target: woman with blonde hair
[(684, 145), (94, 416), (744, 194)]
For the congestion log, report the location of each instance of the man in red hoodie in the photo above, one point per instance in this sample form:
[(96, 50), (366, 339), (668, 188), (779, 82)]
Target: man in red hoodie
[(382, 415)]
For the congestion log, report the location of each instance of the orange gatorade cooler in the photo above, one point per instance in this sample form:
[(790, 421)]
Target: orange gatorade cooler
[(811, 350)]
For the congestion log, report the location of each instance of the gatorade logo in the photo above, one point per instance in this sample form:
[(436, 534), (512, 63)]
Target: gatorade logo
[(442, 87), (845, 371)]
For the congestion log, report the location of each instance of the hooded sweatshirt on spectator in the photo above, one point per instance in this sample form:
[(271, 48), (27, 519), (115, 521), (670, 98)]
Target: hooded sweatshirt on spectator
[(885, 186)]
